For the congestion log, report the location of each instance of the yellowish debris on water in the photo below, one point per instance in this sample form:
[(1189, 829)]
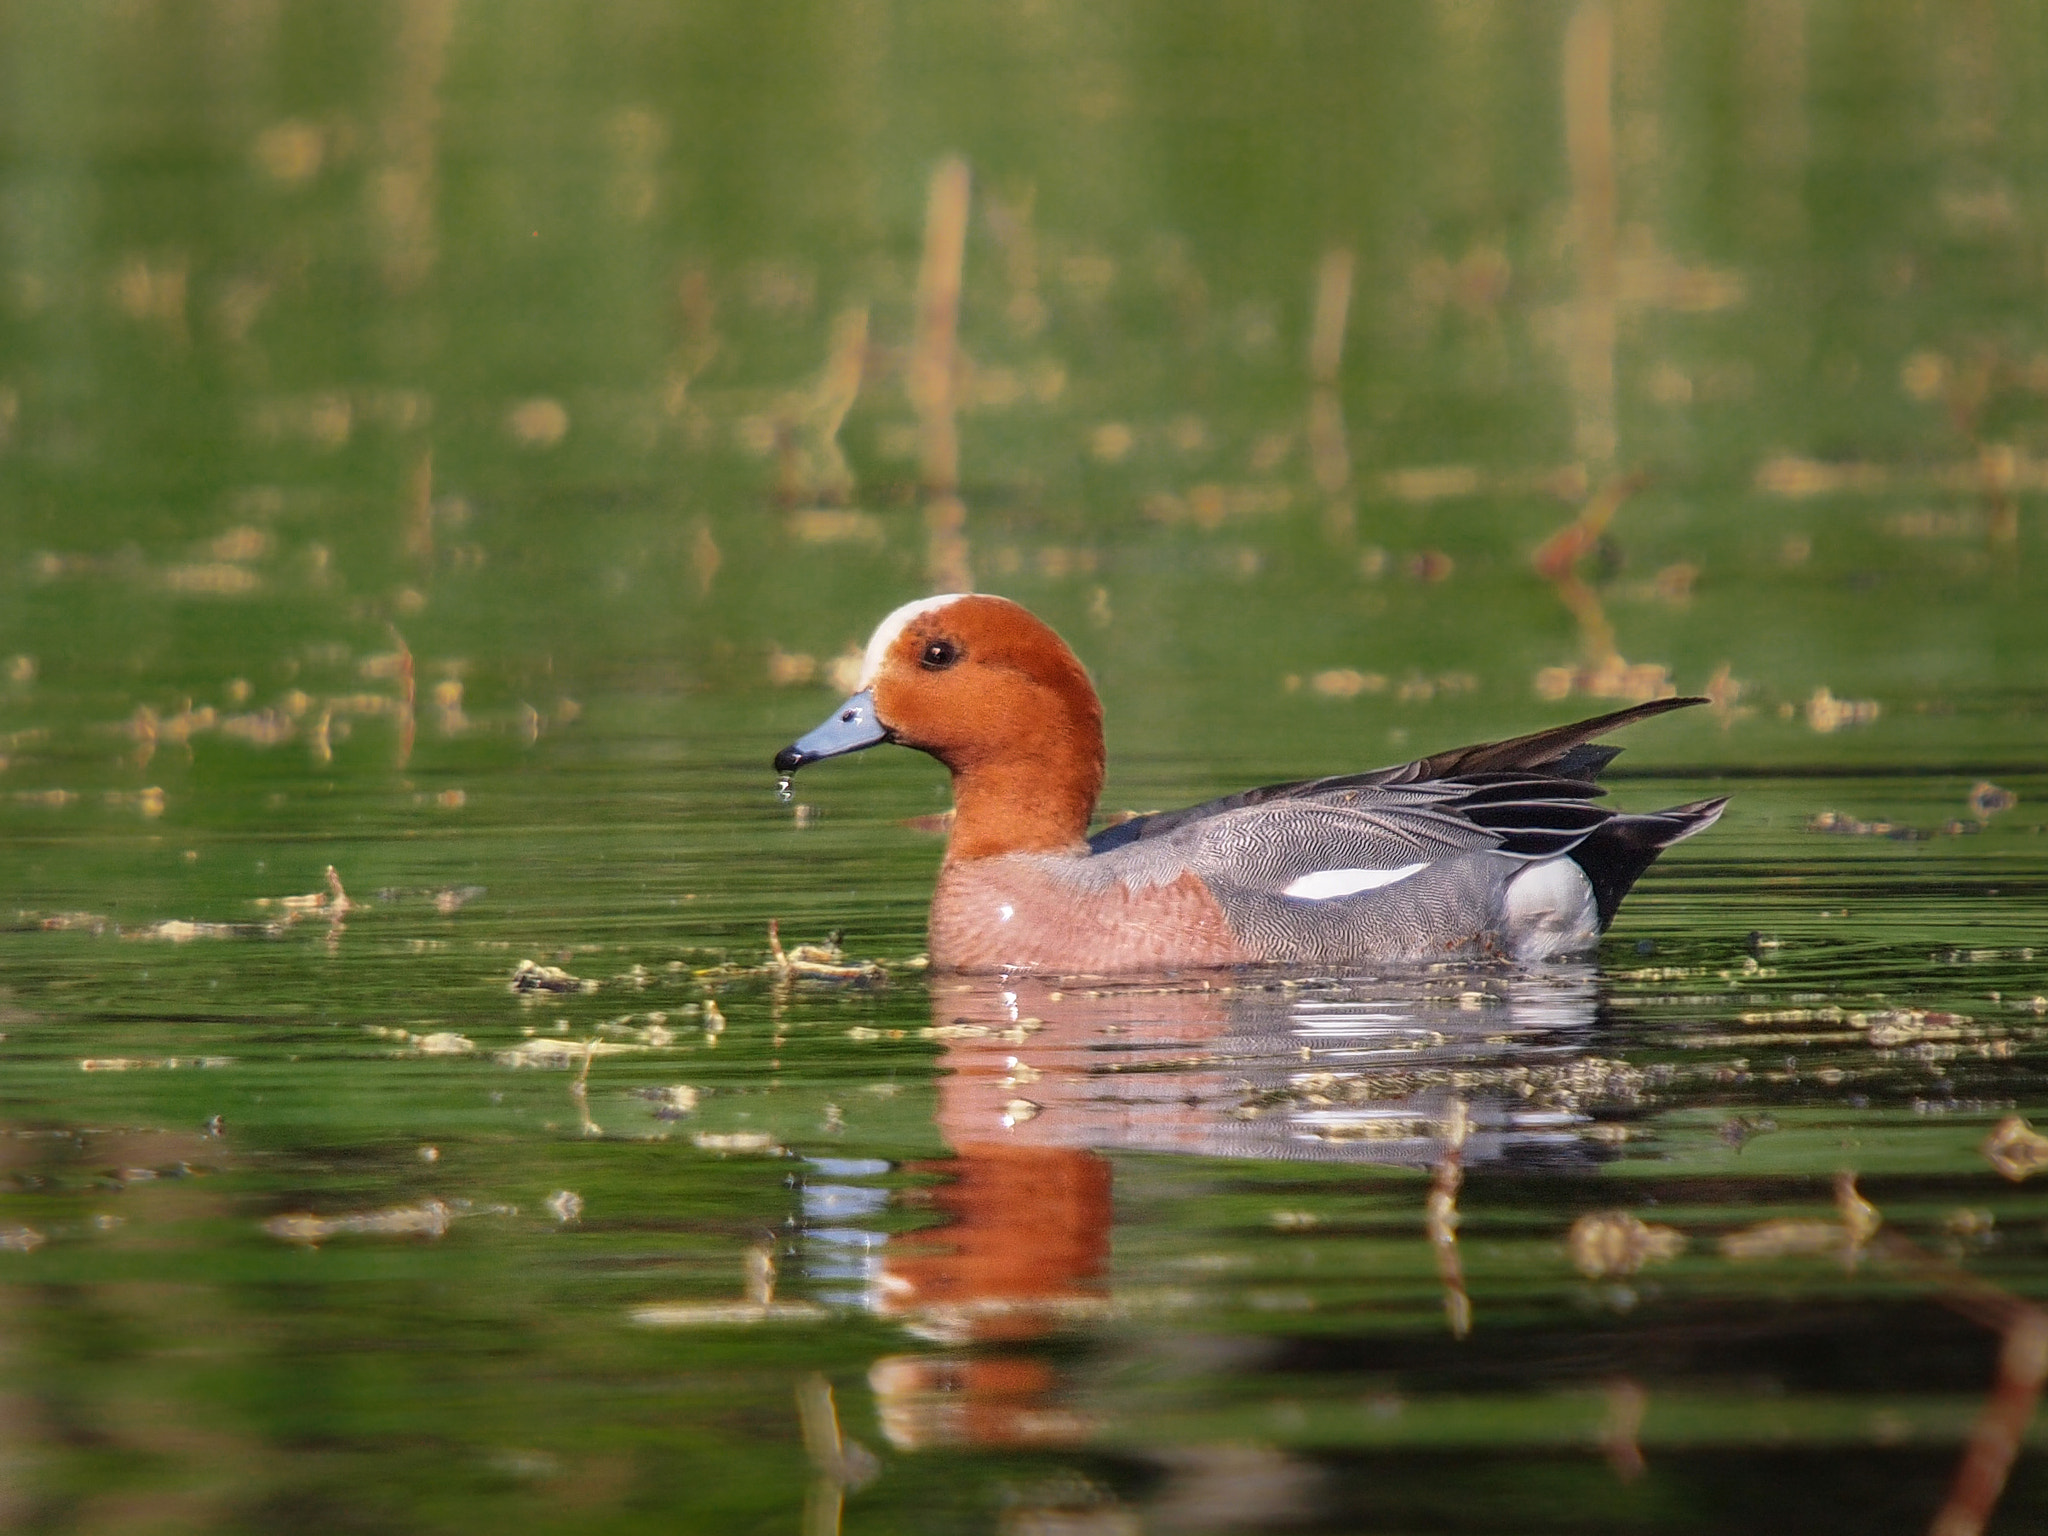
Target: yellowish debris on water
[(1210, 504), (291, 151), (843, 671), (260, 728), (179, 931), (836, 525), (529, 978), (211, 578), (1860, 1219), (1825, 713), (537, 423), (1111, 442), (332, 902), (1852, 826), (429, 1219), (1781, 1239), (1799, 478), (1347, 683), (1828, 1014), (736, 1141), (1969, 1222), (1609, 678), (2016, 1149), (59, 922), (1616, 1243), (759, 1305), (822, 962), (556, 1052), (152, 1063), (565, 1205), (1857, 1222), (1903, 1026), (790, 669), (727, 1314)]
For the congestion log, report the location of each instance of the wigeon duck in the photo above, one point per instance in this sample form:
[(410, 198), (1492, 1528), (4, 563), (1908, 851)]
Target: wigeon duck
[(1485, 851)]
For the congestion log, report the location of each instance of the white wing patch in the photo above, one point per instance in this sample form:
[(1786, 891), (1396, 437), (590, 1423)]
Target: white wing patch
[(886, 632), (1328, 884)]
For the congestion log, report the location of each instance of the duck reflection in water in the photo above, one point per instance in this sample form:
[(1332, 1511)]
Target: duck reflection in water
[(1434, 1071)]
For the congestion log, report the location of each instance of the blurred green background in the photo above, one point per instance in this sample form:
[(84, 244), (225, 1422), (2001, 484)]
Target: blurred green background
[(537, 331)]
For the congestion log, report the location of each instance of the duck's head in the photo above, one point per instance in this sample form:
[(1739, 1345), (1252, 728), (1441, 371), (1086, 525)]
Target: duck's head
[(990, 691)]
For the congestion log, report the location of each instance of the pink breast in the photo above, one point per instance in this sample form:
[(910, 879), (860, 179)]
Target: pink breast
[(1016, 911)]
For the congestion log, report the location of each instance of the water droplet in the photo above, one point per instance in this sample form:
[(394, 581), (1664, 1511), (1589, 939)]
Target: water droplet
[(782, 790)]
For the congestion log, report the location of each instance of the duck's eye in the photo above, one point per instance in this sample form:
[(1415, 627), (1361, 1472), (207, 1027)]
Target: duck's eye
[(939, 655)]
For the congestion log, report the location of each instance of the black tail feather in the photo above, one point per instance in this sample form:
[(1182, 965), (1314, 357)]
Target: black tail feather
[(1623, 846)]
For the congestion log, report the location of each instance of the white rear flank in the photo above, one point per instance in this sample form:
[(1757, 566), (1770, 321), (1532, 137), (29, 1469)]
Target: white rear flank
[(1329, 884), (886, 632), (1550, 910)]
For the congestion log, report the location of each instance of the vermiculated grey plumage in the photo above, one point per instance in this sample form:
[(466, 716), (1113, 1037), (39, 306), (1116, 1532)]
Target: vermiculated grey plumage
[(1476, 818)]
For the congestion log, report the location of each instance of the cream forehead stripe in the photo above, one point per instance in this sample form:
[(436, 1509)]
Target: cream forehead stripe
[(886, 632)]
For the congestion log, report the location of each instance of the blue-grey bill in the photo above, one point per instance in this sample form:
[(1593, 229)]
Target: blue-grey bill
[(848, 728)]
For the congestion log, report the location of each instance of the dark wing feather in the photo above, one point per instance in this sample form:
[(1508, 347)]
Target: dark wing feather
[(1559, 764), (1555, 751)]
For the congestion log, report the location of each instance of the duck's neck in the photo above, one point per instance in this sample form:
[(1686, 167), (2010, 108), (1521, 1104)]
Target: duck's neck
[(1024, 805)]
